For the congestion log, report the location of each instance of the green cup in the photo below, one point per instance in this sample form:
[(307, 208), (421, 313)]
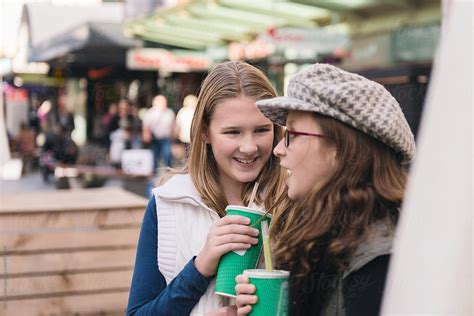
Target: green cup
[(271, 290), (235, 262)]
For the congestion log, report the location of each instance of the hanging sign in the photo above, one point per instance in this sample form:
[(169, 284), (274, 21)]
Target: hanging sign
[(166, 60)]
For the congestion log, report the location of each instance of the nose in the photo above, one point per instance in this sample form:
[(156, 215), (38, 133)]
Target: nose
[(248, 145), (279, 150)]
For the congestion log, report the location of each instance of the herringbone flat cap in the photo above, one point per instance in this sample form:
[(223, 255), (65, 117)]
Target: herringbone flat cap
[(349, 98)]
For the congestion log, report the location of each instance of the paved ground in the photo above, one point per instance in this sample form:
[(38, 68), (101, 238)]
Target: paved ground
[(34, 182)]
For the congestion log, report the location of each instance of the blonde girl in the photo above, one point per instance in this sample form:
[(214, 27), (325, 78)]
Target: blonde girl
[(185, 230)]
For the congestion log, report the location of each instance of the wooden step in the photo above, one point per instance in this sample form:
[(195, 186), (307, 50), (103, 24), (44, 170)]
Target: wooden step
[(68, 252)]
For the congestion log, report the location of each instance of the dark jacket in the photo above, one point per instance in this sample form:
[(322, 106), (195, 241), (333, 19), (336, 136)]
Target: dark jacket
[(359, 289)]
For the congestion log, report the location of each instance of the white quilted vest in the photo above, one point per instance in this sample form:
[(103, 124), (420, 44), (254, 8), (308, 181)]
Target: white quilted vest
[(183, 223)]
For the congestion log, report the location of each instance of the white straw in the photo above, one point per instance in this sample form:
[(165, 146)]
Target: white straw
[(254, 192)]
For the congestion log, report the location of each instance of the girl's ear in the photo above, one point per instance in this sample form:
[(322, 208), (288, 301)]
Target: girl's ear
[(205, 136), (334, 158)]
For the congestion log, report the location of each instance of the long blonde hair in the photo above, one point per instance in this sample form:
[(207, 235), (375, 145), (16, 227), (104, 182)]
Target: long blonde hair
[(230, 80)]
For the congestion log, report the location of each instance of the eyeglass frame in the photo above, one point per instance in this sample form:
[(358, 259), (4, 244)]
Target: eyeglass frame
[(296, 133)]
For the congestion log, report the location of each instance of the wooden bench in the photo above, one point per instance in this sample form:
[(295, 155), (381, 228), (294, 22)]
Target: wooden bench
[(68, 252), (90, 176), (66, 177)]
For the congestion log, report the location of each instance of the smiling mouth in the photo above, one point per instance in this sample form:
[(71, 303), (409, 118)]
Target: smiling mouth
[(246, 161)]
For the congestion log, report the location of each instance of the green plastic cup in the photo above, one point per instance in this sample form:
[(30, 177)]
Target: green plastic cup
[(235, 262), (271, 290)]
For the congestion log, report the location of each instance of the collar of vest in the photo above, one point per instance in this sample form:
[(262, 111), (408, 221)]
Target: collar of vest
[(379, 242), (180, 188)]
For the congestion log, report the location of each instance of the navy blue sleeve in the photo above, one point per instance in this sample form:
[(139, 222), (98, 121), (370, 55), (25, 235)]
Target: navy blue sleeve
[(363, 289), (149, 294)]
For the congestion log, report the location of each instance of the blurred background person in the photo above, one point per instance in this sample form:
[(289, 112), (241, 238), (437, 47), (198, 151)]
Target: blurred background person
[(184, 119), (33, 120), (120, 132), (44, 115), (106, 122), (122, 117), (119, 141), (26, 145), (65, 119), (135, 128), (58, 149), (158, 127)]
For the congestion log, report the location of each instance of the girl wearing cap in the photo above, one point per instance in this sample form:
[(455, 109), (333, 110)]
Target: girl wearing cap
[(345, 145), (185, 231)]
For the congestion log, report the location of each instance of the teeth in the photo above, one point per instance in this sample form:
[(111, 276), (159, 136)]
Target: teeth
[(245, 161)]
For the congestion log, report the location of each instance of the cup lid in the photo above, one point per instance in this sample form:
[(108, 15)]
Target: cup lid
[(264, 274), (247, 209)]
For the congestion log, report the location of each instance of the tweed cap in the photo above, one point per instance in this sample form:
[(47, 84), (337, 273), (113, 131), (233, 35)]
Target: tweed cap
[(349, 98)]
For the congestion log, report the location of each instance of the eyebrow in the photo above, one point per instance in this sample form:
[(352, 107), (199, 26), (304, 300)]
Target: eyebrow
[(239, 127)]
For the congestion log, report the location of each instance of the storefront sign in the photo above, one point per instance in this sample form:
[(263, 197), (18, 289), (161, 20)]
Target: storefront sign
[(255, 50), (16, 108), (415, 43), (166, 60), (319, 41), (369, 51), (137, 162)]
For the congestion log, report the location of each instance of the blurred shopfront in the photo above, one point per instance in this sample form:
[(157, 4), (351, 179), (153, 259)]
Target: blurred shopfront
[(137, 51), (392, 43), (184, 41), (85, 51), (178, 72)]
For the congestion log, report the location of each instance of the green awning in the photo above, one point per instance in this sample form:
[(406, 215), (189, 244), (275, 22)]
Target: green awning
[(202, 24), (294, 14)]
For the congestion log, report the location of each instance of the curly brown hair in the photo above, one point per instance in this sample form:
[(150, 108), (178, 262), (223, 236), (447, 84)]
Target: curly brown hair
[(319, 233)]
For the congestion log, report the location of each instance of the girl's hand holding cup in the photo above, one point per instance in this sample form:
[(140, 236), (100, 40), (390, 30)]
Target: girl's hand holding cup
[(227, 234), (245, 295)]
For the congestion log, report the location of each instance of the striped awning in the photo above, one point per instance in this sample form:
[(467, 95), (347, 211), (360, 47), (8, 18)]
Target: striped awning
[(202, 24)]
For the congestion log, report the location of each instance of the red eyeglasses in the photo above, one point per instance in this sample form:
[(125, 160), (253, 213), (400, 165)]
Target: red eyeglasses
[(289, 133)]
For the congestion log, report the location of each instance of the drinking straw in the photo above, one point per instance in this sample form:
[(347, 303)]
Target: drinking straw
[(266, 247), (271, 209), (254, 192)]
